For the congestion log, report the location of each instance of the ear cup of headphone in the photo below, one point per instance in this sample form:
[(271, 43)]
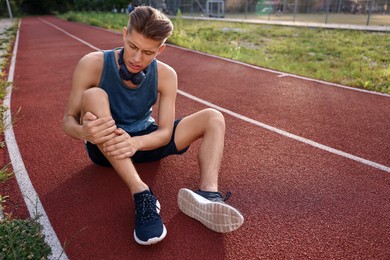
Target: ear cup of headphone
[(138, 78), (135, 78)]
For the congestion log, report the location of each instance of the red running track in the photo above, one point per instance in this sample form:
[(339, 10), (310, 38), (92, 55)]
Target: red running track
[(299, 201)]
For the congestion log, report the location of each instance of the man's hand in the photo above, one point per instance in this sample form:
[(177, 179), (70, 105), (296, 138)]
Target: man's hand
[(122, 145), (98, 130)]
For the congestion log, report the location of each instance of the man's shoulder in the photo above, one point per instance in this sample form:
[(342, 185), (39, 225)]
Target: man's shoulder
[(92, 61), (89, 69), (165, 68), (93, 57), (167, 78)]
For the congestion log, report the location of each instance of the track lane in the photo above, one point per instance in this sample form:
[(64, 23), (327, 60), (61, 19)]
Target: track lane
[(296, 199), (347, 120)]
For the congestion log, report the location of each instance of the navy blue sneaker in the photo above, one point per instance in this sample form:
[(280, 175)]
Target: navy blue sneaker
[(210, 209), (149, 228)]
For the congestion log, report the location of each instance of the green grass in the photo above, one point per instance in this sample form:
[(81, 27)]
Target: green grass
[(19, 238), (354, 58), (106, 20), (358, 59), (22, 239), (356, 19), (5, 173)]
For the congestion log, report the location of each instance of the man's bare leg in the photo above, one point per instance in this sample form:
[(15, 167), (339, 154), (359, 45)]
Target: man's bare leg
[(208, 124), (95, 100), (206, 205), (149, 228)]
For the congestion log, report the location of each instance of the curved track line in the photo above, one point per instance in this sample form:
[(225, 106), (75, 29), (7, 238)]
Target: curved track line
[(30, 196), (260, 124)]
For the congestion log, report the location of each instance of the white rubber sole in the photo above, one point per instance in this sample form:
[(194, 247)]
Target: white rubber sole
[(217, 216), (153, 240)]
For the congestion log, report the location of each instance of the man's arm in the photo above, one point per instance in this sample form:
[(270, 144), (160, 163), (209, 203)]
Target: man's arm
[(124, 145), (166, 111), (86, 75)]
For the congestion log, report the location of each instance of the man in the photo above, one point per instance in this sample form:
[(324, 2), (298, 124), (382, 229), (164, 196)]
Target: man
[(110, 109), (130, 8)]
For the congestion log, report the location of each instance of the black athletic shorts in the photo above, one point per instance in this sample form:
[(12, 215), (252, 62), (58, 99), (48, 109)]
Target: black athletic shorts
[(140, 156)]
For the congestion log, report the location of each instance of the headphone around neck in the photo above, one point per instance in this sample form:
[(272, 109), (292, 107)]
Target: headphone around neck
[(135, 78)]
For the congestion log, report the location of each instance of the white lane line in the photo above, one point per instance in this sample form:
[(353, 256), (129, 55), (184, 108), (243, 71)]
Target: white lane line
[(284, 74), (268, 127), (30, 196), (70, 35), (280, 74), (288, 134)]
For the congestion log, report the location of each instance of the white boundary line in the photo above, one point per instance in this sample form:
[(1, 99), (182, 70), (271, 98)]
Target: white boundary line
[(265, 126), (30, 196)]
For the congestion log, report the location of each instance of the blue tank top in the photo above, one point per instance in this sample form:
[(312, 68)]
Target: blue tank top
[(130, 108)]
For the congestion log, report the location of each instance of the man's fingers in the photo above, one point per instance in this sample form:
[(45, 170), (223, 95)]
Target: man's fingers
[(93, 120), (121, 153), (124, 155), (103, 121), (106, 138), (98, 130), (113, 140), (119, 131), (89, 116), (102, 126)]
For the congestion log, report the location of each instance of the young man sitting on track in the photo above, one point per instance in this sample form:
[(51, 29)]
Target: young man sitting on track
[(110, 109)]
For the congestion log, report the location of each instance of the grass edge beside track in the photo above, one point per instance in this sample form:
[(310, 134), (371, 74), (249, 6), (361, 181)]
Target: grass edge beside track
[(356, 62), (19, 238)]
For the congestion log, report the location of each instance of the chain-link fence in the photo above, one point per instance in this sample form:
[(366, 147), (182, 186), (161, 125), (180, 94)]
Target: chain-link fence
[(359, 12)]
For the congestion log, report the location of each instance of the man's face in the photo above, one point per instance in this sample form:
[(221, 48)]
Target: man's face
[(139, 51)]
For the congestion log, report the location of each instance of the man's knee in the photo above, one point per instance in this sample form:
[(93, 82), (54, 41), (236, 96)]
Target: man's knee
[(94, 99), (93, 95), (215, 118)]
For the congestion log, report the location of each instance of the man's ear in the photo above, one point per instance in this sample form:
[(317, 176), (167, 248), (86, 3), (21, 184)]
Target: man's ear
[(124, 32), (161, 48)]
